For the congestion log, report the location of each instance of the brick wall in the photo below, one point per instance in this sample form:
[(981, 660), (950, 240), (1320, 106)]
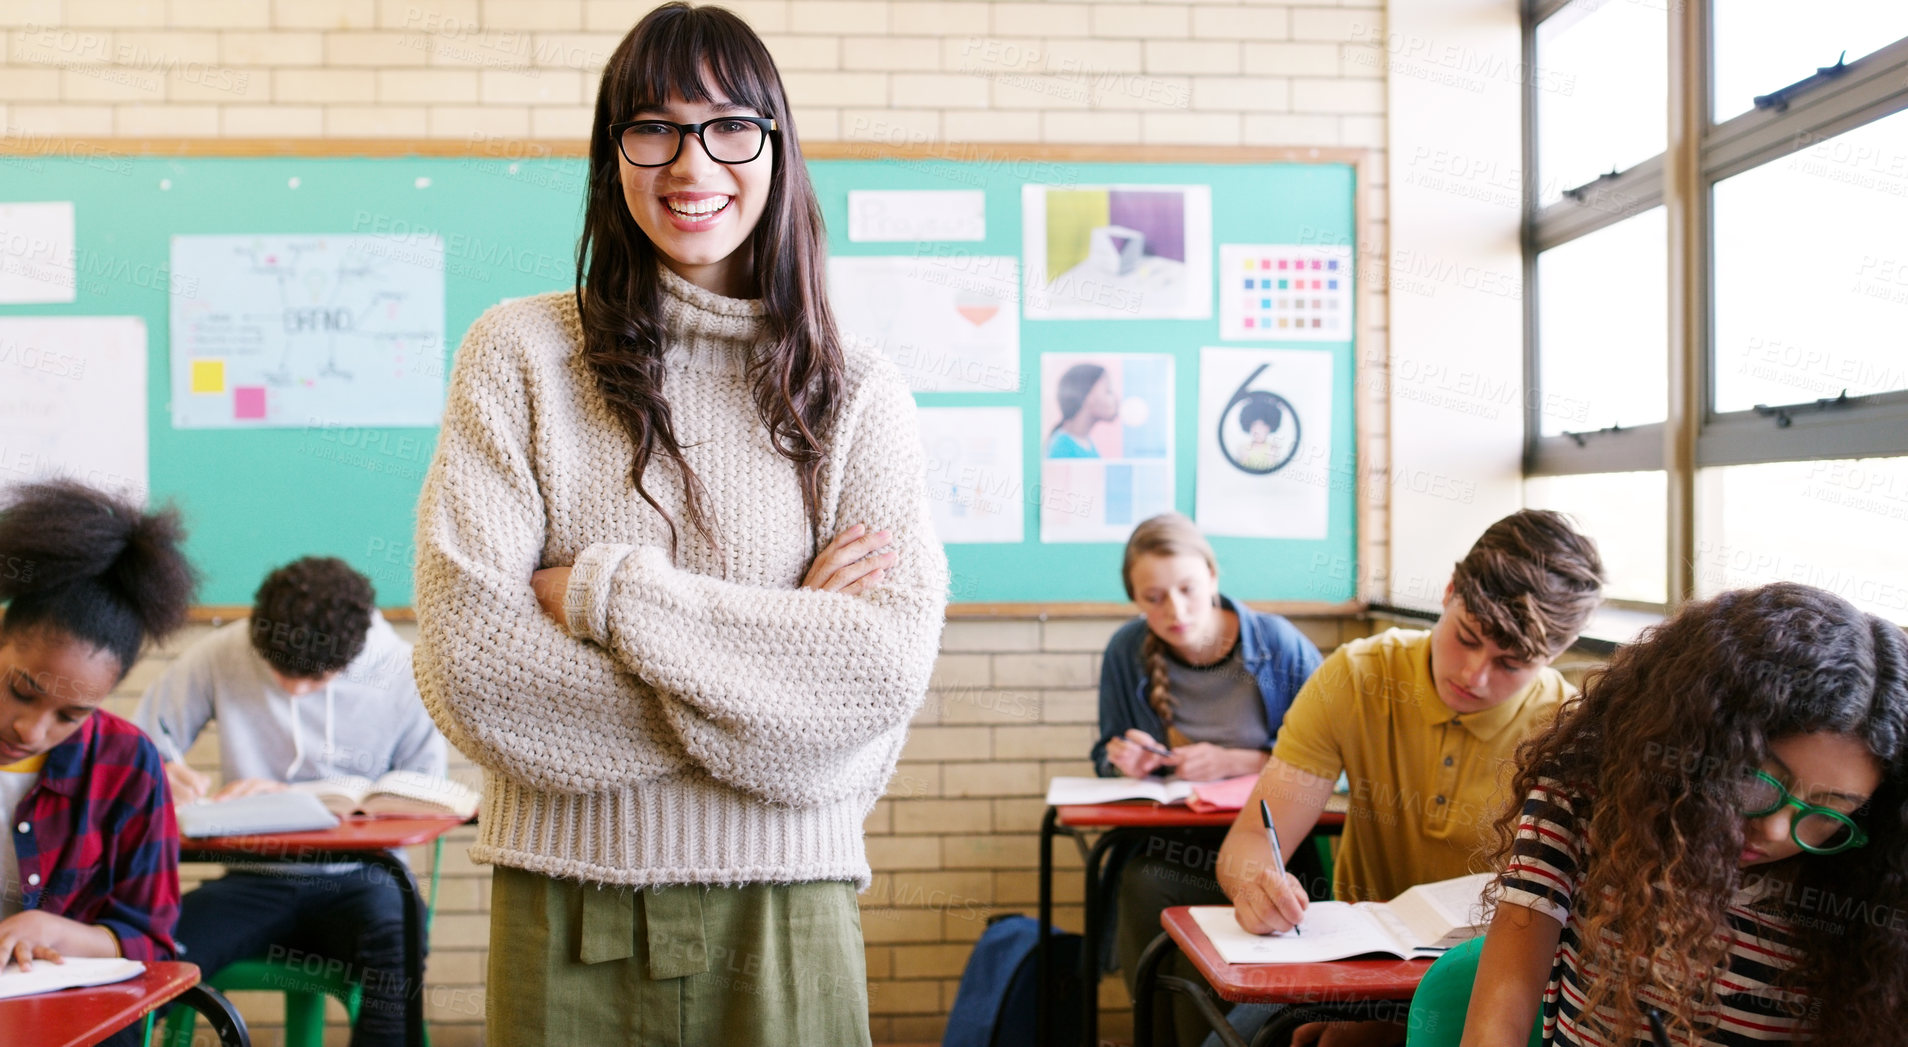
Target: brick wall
[(1013, 700)]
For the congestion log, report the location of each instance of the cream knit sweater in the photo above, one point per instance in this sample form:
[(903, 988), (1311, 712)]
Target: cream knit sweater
[(707, 720)]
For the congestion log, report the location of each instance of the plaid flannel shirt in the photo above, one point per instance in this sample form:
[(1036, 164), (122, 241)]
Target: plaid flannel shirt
[(97, 841)]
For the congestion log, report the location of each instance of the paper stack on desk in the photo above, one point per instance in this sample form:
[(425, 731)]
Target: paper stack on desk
[(47, 976)]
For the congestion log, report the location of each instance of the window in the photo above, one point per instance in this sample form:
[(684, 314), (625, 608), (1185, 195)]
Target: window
[(1723, 356)]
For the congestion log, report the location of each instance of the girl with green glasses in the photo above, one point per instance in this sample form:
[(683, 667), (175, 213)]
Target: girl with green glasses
[(1716, 830)]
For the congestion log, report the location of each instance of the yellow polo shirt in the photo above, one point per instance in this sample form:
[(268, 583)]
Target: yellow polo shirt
[(1426, 783)]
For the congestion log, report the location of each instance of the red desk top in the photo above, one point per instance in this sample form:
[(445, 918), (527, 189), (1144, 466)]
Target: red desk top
[(1339, 981), (78, 1017), (1145, 814), (356, 833)]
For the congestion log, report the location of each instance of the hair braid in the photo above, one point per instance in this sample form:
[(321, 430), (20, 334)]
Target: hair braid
[(1158, 695)]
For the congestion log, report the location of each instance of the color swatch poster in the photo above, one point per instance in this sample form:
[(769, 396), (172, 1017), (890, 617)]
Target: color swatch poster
[(947, 320), (1106, 431), (1285, 292), (308, 331), (1117, 252), (975, 476), (1265, 442), (73, 401)]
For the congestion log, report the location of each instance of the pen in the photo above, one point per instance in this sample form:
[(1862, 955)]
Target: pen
[(1272, 837), (1658, 1034), (1151, 748)]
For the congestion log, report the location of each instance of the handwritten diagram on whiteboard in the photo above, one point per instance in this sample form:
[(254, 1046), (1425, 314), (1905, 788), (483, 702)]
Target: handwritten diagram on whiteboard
[(308, 330)]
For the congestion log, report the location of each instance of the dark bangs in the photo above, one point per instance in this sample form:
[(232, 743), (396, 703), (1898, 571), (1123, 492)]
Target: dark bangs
[(671, 59)]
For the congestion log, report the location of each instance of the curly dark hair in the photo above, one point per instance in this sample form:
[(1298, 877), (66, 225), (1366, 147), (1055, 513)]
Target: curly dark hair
[(310, 617), (1658, 745), (92, 565)]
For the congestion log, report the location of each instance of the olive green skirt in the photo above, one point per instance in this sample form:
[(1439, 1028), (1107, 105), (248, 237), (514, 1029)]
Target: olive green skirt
[(765, 965)]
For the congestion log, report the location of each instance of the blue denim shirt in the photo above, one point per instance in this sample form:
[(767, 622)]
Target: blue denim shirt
[(1276, 654)]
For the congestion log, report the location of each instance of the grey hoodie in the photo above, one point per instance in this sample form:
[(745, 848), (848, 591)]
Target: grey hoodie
[(367, 721)]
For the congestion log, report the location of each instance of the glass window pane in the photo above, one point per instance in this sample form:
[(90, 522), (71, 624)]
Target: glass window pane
[(1812, 272), (1603, 327), (1602, 91), (1837, 525), (1624, 514), (1761, 45)]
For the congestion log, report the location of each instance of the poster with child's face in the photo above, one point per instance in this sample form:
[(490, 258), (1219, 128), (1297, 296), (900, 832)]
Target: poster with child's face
[(1106, 443)]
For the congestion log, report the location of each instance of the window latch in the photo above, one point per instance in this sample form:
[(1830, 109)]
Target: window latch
[(1784, 414), (1578, 192), (1778, 99), (1582, 439)]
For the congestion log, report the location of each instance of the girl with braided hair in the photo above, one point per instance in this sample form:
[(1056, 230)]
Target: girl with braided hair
[(1197, 687)]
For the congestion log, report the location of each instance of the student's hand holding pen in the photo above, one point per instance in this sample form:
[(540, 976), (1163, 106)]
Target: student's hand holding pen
[(1137, 754), (1274, 902), (188, 785)]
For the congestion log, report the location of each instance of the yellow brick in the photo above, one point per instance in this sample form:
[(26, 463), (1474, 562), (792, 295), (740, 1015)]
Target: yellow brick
[(21, 84), (323, 85), (1044, 19), (947, 743), (1089, 635), (538, 87), (1190, 128), (812, 87), (428, 14), (1026, 742), (272, 49), (1023, 888), (989, 852), (534, 14), (1237, 93), (218, 14), (888, 926), (456, 1034), (220, 85), (965, 924), (986, 705), (919, 1029), (904, 852), (30, 12), (460, 931), (617, 16), (167, 121), (930, 961), (1070, 707), (943, 816), (839, 16), (324, 14), (114, 13), (995, 778), (418, 86), (1045, 670), (587, 52), (548, 122), (989, 125), (1241, 23), (917, 54), (804, 52), (917, 889), (1143, 22), (951, 20), (376, 121), (61, 120), (880, 820), (107, 83), (914, 780), (1021, 815), (880, 961), (1192, 56), (454, 1003), (379, 50), (455, 967), (978, 634)]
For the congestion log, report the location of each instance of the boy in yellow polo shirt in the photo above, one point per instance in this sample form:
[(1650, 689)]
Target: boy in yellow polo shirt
[(1424, 724)]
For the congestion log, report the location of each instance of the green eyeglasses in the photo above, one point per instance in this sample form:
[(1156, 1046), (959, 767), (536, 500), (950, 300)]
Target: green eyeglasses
[(1817, 830)]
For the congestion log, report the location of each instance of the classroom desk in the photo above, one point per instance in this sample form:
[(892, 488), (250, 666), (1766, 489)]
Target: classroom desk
[(1116, 822), (1341, 990), (80, 1017), (357, 839)]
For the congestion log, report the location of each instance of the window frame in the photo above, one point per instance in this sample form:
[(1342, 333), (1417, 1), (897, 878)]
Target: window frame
[(1682, 179)]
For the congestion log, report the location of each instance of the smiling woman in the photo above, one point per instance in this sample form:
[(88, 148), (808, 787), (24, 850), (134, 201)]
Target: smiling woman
[(91, 866), (677, 514)]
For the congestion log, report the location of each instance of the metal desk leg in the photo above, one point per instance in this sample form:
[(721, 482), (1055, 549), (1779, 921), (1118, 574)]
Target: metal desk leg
[(1090, 933), (218, 1013), (1147, 983), (1043, 956), (1278, 1030)]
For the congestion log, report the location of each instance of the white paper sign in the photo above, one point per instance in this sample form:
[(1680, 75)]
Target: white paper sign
[(73, 401), (36, 253), (1265, 442), (308, 331), (890, 215), (1285, 292), (948, 321), (976, 482)]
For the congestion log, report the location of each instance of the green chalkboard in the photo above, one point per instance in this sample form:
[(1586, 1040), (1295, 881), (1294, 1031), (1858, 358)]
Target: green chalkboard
[(255, 498)]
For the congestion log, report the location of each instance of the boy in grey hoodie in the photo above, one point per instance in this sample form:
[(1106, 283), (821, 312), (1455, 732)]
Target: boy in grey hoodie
[(315, 684)]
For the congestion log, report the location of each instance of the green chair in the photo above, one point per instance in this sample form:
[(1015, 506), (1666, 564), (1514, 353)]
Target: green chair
[(1443, 997), (304, 992)]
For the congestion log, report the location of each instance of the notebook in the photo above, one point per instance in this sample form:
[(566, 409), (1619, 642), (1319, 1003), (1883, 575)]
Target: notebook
[(290, 811), (1420, 923), (1063, 791), (47, 976)]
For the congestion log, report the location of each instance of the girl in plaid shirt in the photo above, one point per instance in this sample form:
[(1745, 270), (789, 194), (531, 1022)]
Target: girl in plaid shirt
[(89, 857)]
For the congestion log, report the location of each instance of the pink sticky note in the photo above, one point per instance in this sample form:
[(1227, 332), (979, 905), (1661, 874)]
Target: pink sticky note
[(248, 401)]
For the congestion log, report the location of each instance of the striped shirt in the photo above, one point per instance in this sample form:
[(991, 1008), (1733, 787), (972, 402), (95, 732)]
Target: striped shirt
[(1545, 870)]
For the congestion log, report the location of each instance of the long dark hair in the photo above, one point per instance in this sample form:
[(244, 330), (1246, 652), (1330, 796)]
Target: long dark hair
[(1659, 744), (797, 377), (1072, 390), (92, 566)]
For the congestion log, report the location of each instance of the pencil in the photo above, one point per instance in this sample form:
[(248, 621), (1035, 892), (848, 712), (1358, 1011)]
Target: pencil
[(1272, 837)]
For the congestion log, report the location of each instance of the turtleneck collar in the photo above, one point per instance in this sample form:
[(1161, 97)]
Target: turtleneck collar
[(708, 331)]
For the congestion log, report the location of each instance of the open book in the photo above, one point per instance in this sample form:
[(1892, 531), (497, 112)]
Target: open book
[(1422, 922), (397, 792), (47, 976), (1228, 794)]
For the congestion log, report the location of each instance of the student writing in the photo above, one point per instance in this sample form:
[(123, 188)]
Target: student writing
[(89, 864), (1715, 830)]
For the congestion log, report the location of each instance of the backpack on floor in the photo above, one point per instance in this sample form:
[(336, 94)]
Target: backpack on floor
[(995, 1004)]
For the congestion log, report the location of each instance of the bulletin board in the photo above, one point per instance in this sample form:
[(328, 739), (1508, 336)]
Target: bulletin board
[(507, 217)]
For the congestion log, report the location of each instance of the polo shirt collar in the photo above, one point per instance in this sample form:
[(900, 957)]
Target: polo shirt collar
[(1484, 724)]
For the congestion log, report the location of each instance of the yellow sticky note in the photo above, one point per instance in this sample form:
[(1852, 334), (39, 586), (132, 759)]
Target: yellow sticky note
[(208, 376)]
